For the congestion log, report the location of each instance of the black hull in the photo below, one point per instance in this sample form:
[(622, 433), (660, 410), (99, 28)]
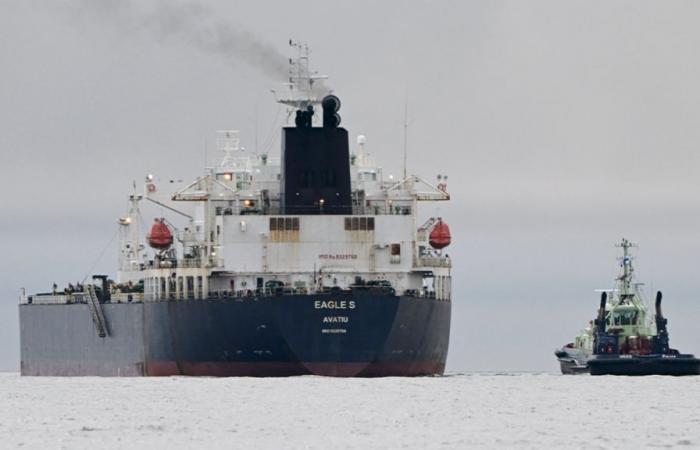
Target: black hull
[(645, 365), (343, 334)]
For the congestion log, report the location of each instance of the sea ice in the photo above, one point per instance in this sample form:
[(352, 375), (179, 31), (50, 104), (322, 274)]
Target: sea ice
[(457, 411)]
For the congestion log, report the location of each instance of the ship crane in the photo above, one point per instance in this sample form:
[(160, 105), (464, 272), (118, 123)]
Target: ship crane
[(421, 189)]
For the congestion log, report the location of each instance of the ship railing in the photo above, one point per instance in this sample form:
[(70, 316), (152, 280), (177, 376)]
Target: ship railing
[(139, 297), (434, 261), (127, 297), (419, 293), (273, 291), (424, 293), (243, 293), (52, 299), (188, 263), (377, 208), (216, 262), (77, 297)]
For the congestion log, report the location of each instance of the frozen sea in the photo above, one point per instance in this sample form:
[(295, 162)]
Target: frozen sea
[(455, 411)]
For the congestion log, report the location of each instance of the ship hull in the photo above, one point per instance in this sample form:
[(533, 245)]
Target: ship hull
[(339, 334), (677, 365), (572, 367), (572, 361)]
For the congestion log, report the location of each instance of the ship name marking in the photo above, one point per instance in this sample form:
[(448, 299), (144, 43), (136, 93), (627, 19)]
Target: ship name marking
[(334, 304), (336, 319), (337, 256), (334, 331)]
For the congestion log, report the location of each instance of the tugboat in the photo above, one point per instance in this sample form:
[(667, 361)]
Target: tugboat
[(623, 339)]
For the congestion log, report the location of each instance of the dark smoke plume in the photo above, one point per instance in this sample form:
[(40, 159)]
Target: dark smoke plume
[(191, 23)]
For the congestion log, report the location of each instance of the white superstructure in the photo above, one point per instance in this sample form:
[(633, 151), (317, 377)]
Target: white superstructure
[(237, 242)]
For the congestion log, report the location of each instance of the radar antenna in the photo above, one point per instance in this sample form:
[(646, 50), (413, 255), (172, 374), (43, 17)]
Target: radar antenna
[(228, 143), (303, 87)]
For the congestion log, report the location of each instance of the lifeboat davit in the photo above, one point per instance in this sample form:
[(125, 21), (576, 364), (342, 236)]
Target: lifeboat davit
[(440, 235), (160, 236)]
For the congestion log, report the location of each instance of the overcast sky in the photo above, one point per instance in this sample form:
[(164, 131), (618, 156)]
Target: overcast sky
[(562, 125)]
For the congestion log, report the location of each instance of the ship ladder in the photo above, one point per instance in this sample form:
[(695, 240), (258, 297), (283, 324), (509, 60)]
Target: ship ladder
[(95, 308)]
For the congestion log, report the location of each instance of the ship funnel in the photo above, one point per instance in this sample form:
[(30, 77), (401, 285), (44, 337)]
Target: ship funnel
[(604, 344), (659, 296), (331, 105), (661, 341), (315, 174), (601, 312)]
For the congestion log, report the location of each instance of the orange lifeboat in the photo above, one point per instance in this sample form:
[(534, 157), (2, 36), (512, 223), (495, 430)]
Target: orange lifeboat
[(160, 236), (440, 235)]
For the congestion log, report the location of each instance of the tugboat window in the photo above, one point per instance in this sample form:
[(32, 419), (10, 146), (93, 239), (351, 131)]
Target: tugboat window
[(627, 318)]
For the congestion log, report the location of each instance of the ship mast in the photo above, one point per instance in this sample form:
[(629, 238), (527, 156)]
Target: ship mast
[(627, 274), (229, 144), (130, 245), (304, 88)]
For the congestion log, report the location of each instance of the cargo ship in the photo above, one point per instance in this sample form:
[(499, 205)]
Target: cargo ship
[(624, 339), (312, 262)]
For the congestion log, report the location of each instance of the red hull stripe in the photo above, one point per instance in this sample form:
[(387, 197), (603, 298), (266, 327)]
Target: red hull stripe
[(280, 369)]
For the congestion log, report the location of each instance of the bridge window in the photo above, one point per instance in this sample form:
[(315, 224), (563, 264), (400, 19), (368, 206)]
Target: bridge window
[(359, 223), (284, 224), (625, 318)]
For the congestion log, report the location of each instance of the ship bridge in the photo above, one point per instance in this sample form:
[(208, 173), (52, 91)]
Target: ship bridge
[(320, 216)]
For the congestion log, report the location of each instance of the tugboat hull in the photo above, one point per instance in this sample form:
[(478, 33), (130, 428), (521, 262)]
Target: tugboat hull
[(676, 365), (342, 334), (572, 367), (571, 361)]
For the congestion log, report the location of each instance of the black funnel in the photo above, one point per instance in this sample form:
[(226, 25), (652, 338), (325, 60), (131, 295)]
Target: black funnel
[(600, 323), (659, 296), (661, 344), (315, 176), (604, 343)]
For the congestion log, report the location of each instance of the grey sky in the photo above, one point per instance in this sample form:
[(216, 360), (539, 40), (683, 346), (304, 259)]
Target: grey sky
[(563, 125)]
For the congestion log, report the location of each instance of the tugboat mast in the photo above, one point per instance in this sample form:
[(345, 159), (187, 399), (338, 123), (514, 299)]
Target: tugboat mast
[(627, 275)]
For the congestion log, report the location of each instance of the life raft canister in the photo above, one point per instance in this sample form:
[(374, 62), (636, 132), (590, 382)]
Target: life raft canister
[(160, 236), (440, 235)]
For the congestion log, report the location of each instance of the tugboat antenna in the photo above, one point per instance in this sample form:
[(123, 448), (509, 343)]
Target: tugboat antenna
[(626, 264)]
